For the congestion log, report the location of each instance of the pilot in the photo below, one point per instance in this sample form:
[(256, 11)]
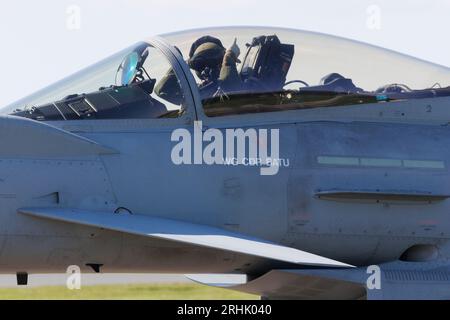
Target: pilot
[(214, 66)]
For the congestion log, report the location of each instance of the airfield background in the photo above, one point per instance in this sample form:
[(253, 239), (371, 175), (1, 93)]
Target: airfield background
[(45, 40)]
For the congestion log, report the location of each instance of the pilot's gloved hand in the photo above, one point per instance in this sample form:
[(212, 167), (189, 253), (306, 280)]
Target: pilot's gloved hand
[(235, 50), (230, 80)]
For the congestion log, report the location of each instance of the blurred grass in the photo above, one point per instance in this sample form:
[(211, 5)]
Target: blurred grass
[(124, 292)]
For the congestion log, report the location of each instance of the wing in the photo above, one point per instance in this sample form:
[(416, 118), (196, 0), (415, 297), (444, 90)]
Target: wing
[(194, 234), (389, 281), (301, 284), (24, 137)]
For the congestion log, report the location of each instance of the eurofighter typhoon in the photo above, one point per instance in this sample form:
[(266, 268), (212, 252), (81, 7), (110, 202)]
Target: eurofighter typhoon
[(314, 166)]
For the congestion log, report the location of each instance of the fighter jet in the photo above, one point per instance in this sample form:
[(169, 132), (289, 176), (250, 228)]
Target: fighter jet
[(314, 166)]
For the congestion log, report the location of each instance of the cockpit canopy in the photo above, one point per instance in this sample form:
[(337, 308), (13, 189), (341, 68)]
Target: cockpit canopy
[(277, 70)]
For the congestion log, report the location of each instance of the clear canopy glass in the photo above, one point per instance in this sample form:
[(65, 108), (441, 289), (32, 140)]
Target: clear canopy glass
[(238, 70), (317, 55), (123, 86), (283, 69)]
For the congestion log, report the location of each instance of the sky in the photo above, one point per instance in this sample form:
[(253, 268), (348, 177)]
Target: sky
[(46, 40)]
